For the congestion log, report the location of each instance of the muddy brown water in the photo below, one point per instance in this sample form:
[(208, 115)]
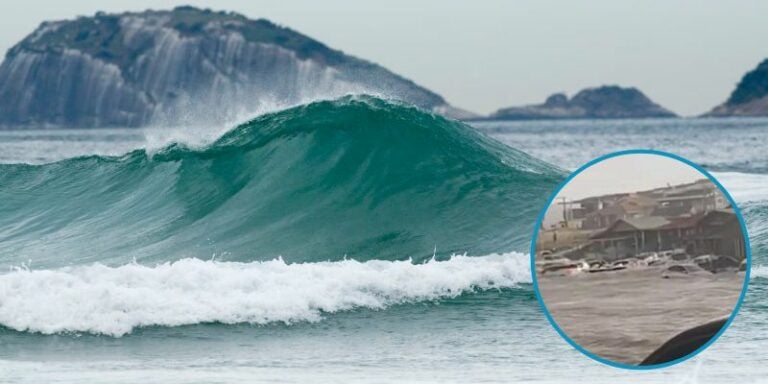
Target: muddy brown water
[(625, 315)]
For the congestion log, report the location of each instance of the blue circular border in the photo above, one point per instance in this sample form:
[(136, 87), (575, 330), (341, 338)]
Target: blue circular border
[(540, 220)]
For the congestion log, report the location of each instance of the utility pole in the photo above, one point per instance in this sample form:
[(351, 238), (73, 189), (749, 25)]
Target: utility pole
[(564, 203)]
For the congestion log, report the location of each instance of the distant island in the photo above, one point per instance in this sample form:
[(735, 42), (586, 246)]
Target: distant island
[(750, 98), (605, 102), (183, 66), (191, 66)]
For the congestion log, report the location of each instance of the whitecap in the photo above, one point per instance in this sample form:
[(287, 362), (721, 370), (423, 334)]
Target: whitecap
[(114, 300)]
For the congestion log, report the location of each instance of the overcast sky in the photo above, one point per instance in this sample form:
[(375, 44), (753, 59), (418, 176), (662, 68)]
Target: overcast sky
[(629, 173), (621, 174), (482, 55)]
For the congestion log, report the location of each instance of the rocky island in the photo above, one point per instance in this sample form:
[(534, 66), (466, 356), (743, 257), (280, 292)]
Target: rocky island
[(750, 98), (183, 66), (605, 102)]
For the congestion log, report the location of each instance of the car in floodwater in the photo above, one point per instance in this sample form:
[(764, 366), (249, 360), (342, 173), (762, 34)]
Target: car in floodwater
[(562, 266), (648, 257), (664, 257), (546, 261), (716, 263), (681, 270), (630, 262), (596, 263), (679, 256), (607, 268)]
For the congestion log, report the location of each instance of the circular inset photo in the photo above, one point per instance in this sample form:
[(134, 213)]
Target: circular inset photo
[(640, 259)]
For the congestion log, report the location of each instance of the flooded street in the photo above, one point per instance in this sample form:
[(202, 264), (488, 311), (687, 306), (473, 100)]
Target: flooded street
[(625, 315)]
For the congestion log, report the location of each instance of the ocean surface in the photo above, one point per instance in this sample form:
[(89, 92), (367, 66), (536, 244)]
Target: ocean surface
[(353, 240)]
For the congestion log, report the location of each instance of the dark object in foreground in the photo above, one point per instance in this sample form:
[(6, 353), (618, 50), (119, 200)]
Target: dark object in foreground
[(684, 343)]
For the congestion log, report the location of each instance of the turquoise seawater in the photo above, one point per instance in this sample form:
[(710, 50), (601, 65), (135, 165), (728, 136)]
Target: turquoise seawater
[(353, 240)]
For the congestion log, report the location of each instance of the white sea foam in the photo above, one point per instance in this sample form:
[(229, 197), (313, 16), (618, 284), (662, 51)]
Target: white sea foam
[(114, 300), (159, 136), (760, 271)]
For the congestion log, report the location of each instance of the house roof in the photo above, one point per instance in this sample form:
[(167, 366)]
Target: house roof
[(682, 198), (610, 210), (671, 211), (639, 199), (648, 222), (633, 224), (660, 192), (684, 222)]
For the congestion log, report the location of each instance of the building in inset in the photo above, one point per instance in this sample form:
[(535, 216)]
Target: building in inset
[(684, 200), (716, 232)]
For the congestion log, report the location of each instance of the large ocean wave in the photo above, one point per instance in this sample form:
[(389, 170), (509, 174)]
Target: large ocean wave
[(357, 177)]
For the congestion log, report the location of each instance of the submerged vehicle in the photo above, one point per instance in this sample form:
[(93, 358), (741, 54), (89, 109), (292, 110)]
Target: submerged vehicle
[(550, 261), (595, 264), (686, 269), (608, 268), (664, 257), (568, 267), (716, 263), (648, 257), (679, 256), (629, 263), (658, 261), (725, 263)]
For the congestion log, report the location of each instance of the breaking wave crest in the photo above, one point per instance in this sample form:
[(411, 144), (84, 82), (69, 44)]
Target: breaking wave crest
[(113, 301)]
